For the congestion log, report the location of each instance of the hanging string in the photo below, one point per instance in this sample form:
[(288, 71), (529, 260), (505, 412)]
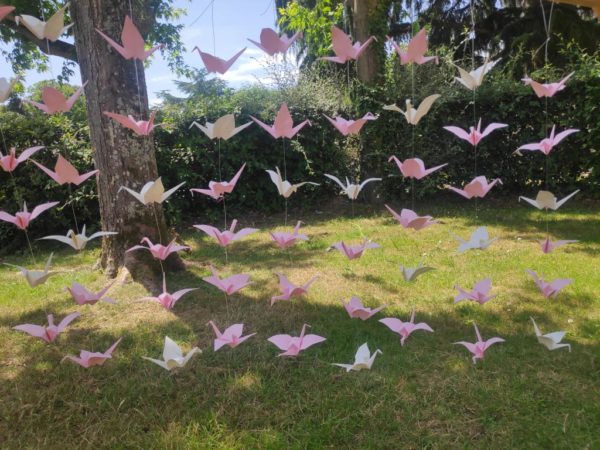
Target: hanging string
[(212, 22), (412, 99), (202, 13), (472, 8), (285, 178), (71, 203), (20, 202), (135, 65), (154, 209)]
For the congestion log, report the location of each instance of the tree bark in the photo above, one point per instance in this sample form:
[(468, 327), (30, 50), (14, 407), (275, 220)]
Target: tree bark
[(368, 63)]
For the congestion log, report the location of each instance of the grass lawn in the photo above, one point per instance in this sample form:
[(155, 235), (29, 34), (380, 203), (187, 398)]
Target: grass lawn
[(427, 393)]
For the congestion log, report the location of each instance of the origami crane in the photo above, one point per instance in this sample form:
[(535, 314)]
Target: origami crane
[(409, 219), (224, 238), (549, 289), (478, 348), (414, 167), (292, 346), (480, 239), (413, 116), (356, 309), (283, 127), (5, 11), (231, 337), (354, 251), (6, 87), (88, 359), (84, 297), (552, 341), (55, 101), (350, 189), (362, 360), (546, 145), (547, 200), (218, 65), (548, 245), (218, 189), (547, 89), (22, 219), (64, 172), (139, 127), (78, 241), (284, 187), (347, 127), (478, 188), (51, 332), (36, 278), (152, 192), (10, 162), (479, 294), (411, 273), (284, 240), (167, 300), (158, 251), (271, 43), (415, 52), (133, 46), (404, 329), (51, 30), (475, 135), (343, 48), (173, 357), (223, 128), (289, 290), (473, 79), (229, 285)]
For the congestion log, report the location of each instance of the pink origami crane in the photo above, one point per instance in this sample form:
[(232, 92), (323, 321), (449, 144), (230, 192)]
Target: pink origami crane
[(547, 89), (549, 289), (64, 172), (55, 101), (51, 332), (546, 145), (218, 189), (548, 245), (167, 300), (284, 240), (218, 65), (224, 238), (84, 297), (347, 127), (404, 329), (159, 251), (415, 52), (292, 346), (133, 46), (354, 251), (289, 290), (228, 285), (271, 43), (343, 48), (478, 348), (140, 127), (479, 294), (356, 309), (475, 135), (414, 167), (232, 336), (10, 162), (5, 11), (21, 219), (283, 125), (88, 359), (479, 187), (409, 219)]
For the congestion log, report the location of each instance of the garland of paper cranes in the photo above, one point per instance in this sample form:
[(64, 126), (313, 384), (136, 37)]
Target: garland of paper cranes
[(133, 47)]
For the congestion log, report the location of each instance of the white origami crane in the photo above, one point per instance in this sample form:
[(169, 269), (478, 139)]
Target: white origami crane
[(36, 277), (173, 357), (284, 187), (472, 80), (51, 30), (411, 273), (152, 192), (412, 115), (547, 200), (479, 239), (6, 87), (551, 340), (362, 360), (350, 189), (78, 241), (223, 128)]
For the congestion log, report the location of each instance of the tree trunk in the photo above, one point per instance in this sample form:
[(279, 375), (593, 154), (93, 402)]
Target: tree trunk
[(368, 64)]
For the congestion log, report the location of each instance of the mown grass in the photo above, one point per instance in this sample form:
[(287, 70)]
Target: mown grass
[(425, 394)]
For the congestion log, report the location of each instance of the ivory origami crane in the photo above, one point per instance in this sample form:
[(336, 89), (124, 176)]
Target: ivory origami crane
[(480, 239), (414, 167), (547, 200), (139, 127), (289, 290), (173, 357), (413, 116), (473, 79), (552, 288), (480, 293), (54, 101), (547, 144), (51, 332), (271, 43), (409, 219), (229, 285), (547, 245), (88, 359), (344, 49), (84, 297), (224, 238), (292, 346), (474, 135), (152, 192), (347, 127), (411, 273), (36, 278), (218, 65), (547, 89), (354, 251), (357, 310), (352, 190), (133, 46), (22, 219), (78, 241), (415, 51), (51, 30), (223, 128), (283, 127), (405, 329), (5, 11), (218, 189), (231, 337), (479, 347), (6, 87), (158, 251), (362, 360), (284, 187), (285, 240), (552, 341), (478, 188), (167, 300), (65, 173), (10, 162)]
